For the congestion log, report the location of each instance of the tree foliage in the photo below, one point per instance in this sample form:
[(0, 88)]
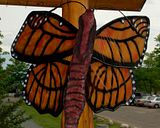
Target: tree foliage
[(157, 51), (15, 72), (148, 78), (10, 114), (2, 60), (1, 36)]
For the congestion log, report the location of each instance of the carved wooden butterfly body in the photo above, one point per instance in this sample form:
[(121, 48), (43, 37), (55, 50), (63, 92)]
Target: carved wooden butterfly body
[(47, 40)]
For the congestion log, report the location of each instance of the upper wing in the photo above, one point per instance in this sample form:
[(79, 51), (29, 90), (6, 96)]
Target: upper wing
[(44, 37), (122, 42), (44, 86), (108, 86)]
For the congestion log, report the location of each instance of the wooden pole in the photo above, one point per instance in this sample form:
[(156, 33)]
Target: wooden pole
[(73, 10), (71, 13)]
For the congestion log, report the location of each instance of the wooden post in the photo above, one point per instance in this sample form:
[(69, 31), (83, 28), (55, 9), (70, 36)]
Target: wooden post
[(71, 13), (73, 10)]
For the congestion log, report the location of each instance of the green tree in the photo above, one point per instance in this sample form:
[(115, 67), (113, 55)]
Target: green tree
[(10, 115), (150, 62), (148, 78), (2, 60), (156, 51), (16, 72)]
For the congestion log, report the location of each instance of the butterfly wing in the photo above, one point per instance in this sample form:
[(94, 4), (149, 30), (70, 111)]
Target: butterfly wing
[(44, 37), (46, 40), (122, 42), (119, 46), (44, 86), (108, 86)]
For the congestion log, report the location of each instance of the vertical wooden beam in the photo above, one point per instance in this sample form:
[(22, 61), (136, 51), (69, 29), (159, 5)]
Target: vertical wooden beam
[(71, 13), (73, 10)]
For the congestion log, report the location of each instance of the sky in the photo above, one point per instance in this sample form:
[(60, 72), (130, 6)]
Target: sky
[(12, 17)]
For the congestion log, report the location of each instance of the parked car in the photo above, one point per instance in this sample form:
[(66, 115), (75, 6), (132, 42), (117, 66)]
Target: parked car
[(153, 102), (138, 95), (142, 100)]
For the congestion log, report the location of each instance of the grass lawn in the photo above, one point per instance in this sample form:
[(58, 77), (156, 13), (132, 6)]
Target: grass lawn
[(48, 121), (44, 120)]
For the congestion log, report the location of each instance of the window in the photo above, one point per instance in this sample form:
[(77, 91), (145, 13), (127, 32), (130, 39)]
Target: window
[(151, 98), (158, 99)]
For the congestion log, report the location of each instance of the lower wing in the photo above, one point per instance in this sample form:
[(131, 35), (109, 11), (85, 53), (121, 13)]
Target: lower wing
[(107, 87), (44, 87)]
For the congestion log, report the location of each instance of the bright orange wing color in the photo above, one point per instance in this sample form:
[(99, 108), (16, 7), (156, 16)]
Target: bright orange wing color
[(47, 40), (119, 45), (122, 42), (44, 86), (44, 37), (108, 86)]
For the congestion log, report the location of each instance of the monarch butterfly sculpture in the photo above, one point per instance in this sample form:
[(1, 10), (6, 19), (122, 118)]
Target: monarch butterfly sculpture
[(71, 66)]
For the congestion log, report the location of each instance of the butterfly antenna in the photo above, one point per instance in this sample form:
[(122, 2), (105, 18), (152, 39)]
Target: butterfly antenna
[(68, 3), (127, 20)]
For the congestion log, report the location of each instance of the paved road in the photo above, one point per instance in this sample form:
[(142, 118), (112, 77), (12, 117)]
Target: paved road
[(30, 124), (139, 117)]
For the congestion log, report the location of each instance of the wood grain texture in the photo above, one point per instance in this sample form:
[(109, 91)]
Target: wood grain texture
[(131, 5)]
